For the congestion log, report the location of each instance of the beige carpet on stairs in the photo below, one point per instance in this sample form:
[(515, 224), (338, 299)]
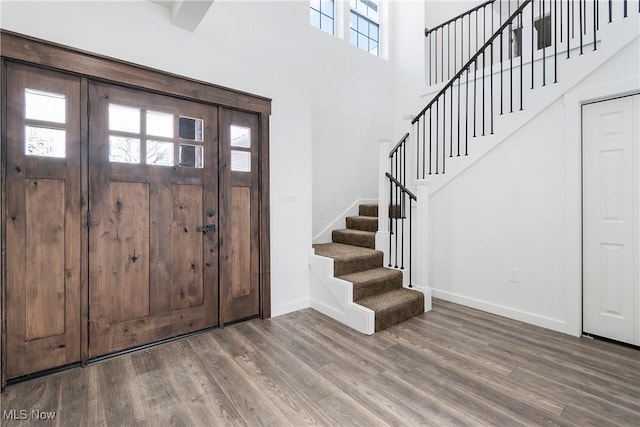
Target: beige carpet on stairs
[(374, 286)]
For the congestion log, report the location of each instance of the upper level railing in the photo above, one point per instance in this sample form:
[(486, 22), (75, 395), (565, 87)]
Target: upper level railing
[(451, 44), (468, 103)]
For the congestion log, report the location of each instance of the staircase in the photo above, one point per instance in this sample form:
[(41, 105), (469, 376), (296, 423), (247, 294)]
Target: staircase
[(355, 261), (484, 95)]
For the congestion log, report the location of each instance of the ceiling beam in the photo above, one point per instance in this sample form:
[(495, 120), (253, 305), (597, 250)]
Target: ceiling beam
[(188, 14)]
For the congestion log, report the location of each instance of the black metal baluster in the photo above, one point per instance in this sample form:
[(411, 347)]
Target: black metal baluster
[(430, 56), (501, 63), (442, 50), (555, 40), (476, 13), (451, 124), (459, 83), (410, 244), (595, 25), (436, 56), (624, 5), (418, 149), (448, 52), (424, 148), (444, 129), (404, 162), (455, 42), (437, 122), (580, 9), (491, 87), (521, 21), (475, 91), (568, 35), (484, 65), (544, 47), (462, 40), (573, 19), (466, 118), (511, 66), (390, 217), (597, 6), (610, 10), (402, 214), (469, 48), (430, 128), (532, 48), (554, 5)]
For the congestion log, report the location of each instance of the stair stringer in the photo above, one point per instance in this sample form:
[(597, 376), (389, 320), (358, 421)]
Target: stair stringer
[(571, 72), (333, 297)]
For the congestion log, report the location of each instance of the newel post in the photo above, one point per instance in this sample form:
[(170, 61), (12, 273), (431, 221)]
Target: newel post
[(421, 258), (382, 236)]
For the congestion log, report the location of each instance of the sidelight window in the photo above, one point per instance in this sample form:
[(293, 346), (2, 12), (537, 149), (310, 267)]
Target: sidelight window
[(45, 117), (241, 152)]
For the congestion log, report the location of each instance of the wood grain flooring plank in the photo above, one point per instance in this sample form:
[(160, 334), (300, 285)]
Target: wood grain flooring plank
[(453, 366), (576, 395)]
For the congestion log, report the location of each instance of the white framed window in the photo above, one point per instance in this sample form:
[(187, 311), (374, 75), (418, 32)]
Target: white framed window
[(364, 25), (322, 15)]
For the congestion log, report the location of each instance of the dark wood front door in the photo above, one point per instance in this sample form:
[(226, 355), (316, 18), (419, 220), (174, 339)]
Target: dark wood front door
[(153, 238), (43, 220), (239, 216)]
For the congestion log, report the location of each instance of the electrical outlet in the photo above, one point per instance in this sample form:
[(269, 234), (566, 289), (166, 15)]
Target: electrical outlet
[(513, 275), (321, 214)]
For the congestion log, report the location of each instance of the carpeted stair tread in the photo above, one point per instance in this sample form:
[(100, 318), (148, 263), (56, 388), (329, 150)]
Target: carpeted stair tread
[(368, 210), (373, 282), (364, 223), (394, 306), (349, 259), (365, 239)]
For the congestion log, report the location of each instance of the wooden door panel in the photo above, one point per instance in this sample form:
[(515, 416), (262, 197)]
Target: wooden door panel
[(153, 272), (239, 218), (125, 238), (240, 242), (45, 276), (187, 247), (43, 227)]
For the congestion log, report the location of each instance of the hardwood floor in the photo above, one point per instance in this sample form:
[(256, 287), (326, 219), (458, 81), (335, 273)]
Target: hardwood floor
[(451, 366)]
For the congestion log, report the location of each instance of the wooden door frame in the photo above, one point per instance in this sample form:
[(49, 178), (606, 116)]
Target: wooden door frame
[(25, 49)]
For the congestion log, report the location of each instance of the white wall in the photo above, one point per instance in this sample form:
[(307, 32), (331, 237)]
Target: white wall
[(351, 105), (519, 207), (329, 100)]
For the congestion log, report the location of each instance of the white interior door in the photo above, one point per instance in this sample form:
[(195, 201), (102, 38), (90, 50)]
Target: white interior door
[(611, 194)]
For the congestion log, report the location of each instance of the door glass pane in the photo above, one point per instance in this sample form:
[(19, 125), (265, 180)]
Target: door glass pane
[(240, 136), (125, 119), (159, 124), (124, 150), (159, 153), (240, 161), (44, 142), (44, 106), (191, 156), (191, 128)]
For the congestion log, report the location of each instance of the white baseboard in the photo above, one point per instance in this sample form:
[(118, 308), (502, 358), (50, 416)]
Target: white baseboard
[(290, 307), (522, 316)]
